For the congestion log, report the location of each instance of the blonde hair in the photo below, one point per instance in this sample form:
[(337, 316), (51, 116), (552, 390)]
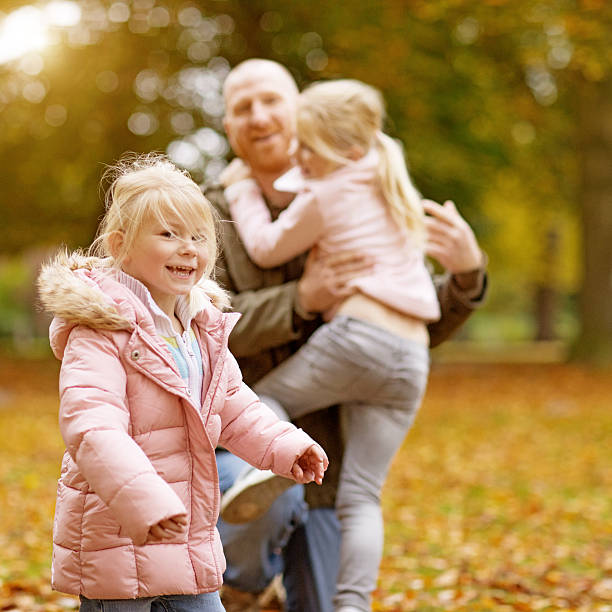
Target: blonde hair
[(145, 185), (336, 117)]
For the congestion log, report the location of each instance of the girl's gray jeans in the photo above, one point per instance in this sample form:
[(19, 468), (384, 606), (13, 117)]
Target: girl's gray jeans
[(379, 379)]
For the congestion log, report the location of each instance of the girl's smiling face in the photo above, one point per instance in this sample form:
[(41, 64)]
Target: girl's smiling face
[(168, 258)]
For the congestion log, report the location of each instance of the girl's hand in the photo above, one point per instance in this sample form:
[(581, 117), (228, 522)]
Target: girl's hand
[(310, 466), (168, 528)]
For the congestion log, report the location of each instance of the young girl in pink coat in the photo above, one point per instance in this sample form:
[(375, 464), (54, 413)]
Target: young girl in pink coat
[(148, 389), (353, 194)]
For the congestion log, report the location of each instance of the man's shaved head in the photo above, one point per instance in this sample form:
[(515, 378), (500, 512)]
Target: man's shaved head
[(263, 68)]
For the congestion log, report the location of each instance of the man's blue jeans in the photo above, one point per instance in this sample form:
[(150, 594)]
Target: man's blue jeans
[(312, 557), (288, 539)]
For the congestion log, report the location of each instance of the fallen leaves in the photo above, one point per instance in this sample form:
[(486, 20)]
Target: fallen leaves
[(500, 499), (30, 456), (501, 494), (34, 595)]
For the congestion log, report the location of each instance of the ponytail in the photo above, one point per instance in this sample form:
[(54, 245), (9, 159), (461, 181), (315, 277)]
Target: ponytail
[(400, 194)]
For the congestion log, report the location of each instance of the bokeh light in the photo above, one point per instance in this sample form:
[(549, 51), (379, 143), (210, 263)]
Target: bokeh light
[(142, 123)]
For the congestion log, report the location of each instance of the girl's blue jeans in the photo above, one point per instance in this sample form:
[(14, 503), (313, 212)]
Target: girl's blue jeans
[(205, 602)]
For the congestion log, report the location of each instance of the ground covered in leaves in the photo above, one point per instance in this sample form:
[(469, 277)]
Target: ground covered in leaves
[(501, 498)]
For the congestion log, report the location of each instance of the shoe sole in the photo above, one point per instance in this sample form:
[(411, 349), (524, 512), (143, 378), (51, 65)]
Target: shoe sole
[(253, 502)]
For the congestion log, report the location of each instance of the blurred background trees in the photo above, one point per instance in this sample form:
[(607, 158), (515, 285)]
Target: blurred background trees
[(504, 106)]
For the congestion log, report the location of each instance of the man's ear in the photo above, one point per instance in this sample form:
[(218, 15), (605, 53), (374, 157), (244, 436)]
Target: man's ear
[(116, 241), (230, 138)]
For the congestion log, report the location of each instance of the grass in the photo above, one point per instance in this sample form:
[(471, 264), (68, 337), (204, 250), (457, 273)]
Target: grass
[(500, 499)]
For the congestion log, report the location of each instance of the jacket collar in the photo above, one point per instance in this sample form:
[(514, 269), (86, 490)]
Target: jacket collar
[(81, 290), (161, 320)]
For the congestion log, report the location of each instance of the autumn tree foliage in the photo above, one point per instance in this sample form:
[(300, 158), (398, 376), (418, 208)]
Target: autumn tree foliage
[(501, 105)]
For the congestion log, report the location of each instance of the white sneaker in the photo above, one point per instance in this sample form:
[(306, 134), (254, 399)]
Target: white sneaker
[(252, 495)]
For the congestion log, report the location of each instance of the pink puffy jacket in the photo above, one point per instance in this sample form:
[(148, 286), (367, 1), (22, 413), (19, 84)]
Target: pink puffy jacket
[(138, 450)]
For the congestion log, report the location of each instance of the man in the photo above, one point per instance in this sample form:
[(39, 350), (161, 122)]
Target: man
[(280, 309)]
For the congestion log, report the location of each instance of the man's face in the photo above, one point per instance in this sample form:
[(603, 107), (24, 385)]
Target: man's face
[(260, 118)]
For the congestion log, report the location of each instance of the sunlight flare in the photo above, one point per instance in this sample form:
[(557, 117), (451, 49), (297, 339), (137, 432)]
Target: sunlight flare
[(27, 28)]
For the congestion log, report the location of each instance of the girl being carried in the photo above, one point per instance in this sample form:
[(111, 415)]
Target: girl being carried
[(353, 194)]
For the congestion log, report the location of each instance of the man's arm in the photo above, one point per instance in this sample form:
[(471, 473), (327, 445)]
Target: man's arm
[(451, 241), (456, 303)]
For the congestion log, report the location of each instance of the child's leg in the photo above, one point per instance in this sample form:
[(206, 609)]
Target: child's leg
[(380, 379), (374, 431), (322, 373), (319, 375)]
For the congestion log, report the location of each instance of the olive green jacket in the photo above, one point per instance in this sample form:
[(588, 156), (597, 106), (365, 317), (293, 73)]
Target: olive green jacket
[(272, 328)]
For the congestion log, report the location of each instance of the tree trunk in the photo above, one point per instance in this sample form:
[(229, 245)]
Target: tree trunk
[(594, 343), (546, 296), (545, 311)]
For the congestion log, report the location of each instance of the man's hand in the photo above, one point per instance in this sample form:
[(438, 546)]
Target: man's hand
[(235, 171), (324, 281), (450, 240), (310, 466), (168, 528)]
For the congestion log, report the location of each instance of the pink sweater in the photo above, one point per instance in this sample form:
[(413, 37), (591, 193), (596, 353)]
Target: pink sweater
[(341, 211)]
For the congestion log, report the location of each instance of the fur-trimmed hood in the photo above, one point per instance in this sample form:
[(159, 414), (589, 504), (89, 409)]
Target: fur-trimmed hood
[(81, 290)]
